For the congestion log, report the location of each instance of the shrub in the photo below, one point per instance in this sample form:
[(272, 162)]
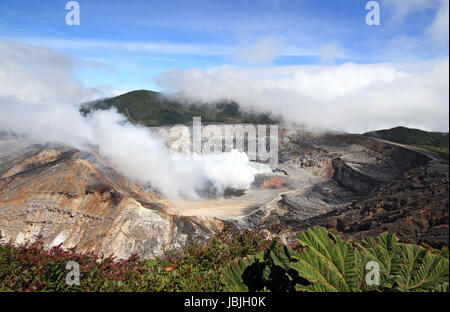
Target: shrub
[(319, 261), (197, 268), (323, 262)]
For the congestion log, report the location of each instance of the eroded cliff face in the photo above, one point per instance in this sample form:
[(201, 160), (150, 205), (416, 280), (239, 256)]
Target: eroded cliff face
[(72, 198), (413, 205), (354, 185)]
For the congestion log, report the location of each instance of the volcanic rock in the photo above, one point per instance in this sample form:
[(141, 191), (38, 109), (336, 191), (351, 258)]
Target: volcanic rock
[(352, 184)]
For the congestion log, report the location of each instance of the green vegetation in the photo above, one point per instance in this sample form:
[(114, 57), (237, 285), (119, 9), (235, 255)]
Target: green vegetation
[(433, 141), (198, 268), (320, 261), (153, 109)]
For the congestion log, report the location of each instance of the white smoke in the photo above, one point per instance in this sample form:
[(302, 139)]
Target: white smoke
[(39, 98), (349, 97), (137, 153)]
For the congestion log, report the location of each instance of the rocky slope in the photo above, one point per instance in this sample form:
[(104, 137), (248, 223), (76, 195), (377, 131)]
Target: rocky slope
[(73, 198), (352, 184), (368, 186), (414, 206)]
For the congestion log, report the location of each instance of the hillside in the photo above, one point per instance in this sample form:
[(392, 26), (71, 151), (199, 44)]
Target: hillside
[(153, 109), (73, 204), (434, 141)]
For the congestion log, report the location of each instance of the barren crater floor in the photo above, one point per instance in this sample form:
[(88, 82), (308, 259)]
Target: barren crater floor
[(352, 184)]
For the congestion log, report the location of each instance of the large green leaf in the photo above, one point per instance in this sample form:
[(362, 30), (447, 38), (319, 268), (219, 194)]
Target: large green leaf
[(327, 262), (233, 275), (421, 270), (405, 267), (331, 264), (244, 274), (386, 253)]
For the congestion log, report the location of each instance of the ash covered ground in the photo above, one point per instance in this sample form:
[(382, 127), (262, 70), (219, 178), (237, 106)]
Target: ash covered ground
[(352, 184)]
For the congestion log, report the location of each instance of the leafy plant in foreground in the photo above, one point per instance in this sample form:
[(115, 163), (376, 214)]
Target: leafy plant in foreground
[(323, 262)]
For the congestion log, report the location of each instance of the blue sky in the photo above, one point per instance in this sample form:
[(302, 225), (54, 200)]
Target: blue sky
[(126, 44)]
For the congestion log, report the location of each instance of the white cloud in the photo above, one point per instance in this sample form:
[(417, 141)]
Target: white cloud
[(161, 47), (273, 43), (19, 64), (331, 51), (402, 9), (348, 97), (260, 52), (39, 98), (439, 28)]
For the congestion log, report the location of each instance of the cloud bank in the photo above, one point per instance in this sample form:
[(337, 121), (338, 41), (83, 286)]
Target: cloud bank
[(350, 97), (39, 98)]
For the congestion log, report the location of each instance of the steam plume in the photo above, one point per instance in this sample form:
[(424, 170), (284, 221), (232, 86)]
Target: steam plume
[(39, 98)]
